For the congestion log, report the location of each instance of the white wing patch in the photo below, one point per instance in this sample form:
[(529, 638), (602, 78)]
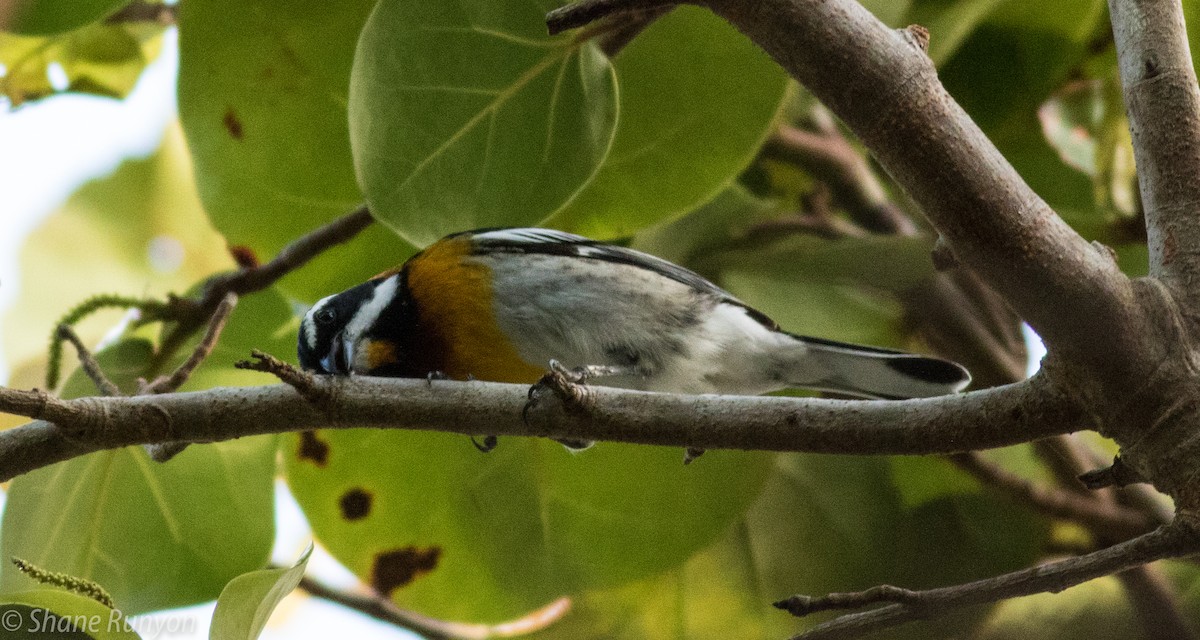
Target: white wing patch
[(529, 236)]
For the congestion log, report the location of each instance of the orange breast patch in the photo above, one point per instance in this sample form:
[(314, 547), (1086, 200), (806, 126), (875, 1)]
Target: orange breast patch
[(454, 307)]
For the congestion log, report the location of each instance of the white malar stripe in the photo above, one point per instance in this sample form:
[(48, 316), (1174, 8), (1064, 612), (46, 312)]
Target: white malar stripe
[(367, 314)]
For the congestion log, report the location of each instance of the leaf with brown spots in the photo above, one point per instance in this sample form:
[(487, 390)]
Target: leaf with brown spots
[(313, 448), (396, 568), (232, 124), (355, 504)]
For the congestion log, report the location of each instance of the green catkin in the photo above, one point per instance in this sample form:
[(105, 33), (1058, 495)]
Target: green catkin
[(80, 586), (82, 310)]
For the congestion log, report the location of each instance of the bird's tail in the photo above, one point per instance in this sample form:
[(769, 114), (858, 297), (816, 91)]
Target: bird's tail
[(873, 372)]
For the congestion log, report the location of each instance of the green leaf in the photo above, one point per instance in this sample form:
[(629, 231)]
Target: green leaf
[(888, 263), (443, 529), (44, 17), (1035, 46), (697, 99), (262, 96), (465, 114), (836, 523), (51, 614), (247, 601), (155, 535), (889, 12), (720, 221), (100, 59)]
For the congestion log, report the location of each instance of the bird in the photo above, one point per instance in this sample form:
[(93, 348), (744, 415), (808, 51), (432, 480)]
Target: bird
[(501, 304)]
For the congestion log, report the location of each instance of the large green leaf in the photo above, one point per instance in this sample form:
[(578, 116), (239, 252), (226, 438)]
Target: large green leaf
[(247, 601), (262, 97), (465, 114), (156, 535), (51, 614), (697, 99), (439, 527), (822, 524)]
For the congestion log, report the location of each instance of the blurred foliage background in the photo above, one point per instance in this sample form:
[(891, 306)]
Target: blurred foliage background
[(687, 142)]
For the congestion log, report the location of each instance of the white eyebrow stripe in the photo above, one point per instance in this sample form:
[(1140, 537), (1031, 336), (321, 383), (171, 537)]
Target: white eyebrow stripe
[(310, 322), (369, 312)]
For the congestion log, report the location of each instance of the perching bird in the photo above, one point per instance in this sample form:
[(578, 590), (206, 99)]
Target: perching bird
[(499, 304)]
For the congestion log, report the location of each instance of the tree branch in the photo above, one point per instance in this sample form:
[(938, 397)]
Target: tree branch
[(830, 158), (1095, 513), (195, 313), (949, 424), (433, 628), (1171, 541), (884, 87), (1163, 104), (92, 368)]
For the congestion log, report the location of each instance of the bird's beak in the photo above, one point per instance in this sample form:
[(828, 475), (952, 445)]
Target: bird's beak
[(337, 361)]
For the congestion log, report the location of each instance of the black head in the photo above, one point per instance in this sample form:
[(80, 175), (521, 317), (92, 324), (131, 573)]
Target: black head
[(332, 329)]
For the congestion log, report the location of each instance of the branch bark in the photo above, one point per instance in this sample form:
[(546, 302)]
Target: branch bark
[(949, 424), (1163, 104)]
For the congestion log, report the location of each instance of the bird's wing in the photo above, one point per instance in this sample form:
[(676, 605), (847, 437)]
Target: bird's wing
[(551, 242)]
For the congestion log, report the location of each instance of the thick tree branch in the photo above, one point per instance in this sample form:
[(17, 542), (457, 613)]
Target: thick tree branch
[(884, 87), (1172, 541), (1163, 104), (949, 424)]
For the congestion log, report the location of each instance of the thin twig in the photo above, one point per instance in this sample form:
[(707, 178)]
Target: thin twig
[(256, 278), (830, 158), (305, 383), (613, 43), (216, 324), (1093, 513), (92, 368), (433, 628), (164, 451), (1170, 541), (150, 309)]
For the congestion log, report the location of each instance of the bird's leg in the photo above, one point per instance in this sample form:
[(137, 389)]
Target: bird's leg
[(570, 385)]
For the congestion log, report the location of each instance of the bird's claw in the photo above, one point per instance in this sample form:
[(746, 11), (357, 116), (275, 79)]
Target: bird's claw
[(489, 443)]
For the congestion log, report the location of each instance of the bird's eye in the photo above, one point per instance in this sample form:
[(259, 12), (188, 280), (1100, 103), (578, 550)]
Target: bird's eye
[(326, 316)]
